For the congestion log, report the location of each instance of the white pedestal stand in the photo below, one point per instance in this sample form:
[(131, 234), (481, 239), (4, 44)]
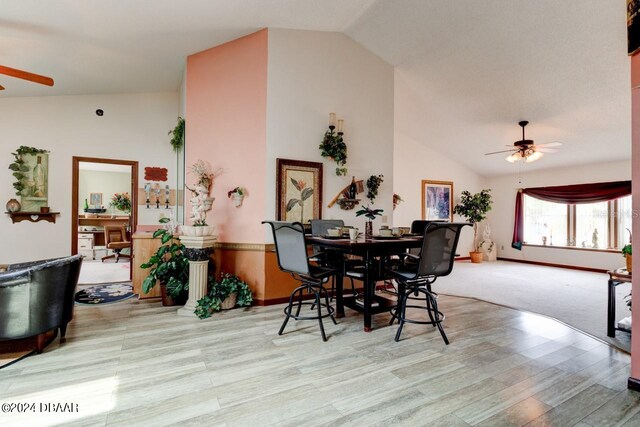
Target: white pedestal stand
[(198, 250)]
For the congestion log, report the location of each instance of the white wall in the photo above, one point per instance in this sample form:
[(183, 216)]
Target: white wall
[(107, 183), (311, 74), (504, 191), (134, 127), (414, 160)]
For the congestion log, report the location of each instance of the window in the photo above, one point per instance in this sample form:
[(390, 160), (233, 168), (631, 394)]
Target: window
[(545, 223), (591, 226)]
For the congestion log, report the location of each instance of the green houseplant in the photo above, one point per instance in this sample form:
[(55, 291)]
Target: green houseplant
[(370, 214), (474, 208), (373, 183), (230, 291), (334, 148), (177, 135), (168, 267)]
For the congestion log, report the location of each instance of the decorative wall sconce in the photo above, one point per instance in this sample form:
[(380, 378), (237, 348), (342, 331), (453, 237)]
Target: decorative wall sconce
[(333, 146)]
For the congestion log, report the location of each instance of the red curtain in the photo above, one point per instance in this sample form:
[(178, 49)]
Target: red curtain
[(568, 194)]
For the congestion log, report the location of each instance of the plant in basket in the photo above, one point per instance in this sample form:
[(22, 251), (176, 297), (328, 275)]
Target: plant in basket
[(229, 292)]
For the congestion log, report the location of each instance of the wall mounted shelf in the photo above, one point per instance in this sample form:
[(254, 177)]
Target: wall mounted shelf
[(33, 216), (343, 200)]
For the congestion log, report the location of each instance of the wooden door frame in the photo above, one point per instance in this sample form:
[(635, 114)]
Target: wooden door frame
[(74, 195)]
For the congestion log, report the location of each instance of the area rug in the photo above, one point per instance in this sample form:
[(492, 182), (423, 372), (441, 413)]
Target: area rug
[(105, 293), (576, 298)]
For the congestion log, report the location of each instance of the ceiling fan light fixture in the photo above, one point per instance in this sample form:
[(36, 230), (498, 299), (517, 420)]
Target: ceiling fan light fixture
[(533, 157), (514, 157)]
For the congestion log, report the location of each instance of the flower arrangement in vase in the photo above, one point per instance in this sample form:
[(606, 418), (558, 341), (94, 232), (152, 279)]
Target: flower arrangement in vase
[(121, 201)]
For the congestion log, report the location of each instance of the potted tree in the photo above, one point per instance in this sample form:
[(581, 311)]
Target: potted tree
[(474, 208), (168, 267)]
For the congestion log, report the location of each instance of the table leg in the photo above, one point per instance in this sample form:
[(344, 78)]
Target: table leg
[(367, 292), (339, 294), (611, 310)]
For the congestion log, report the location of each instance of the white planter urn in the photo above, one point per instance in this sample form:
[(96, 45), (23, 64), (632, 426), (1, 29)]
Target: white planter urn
[(197, 231), (237, 200)]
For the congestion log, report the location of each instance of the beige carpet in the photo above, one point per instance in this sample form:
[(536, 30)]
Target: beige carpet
[(576, 298), (104, 272)]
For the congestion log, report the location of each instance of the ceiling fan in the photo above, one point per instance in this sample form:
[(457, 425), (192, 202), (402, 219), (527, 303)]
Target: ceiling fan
[(526, 150), (25, 75)]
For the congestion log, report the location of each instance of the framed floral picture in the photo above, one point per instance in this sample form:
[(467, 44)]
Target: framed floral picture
[(437, 200), (298, 190)]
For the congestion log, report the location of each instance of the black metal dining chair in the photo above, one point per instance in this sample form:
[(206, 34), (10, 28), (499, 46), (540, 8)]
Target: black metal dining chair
[(439, 244), (291, 252)]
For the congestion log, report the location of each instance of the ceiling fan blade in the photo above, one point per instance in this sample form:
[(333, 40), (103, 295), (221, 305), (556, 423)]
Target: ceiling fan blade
[(550, 144), (545, 149), (498, 152), (36, 78)]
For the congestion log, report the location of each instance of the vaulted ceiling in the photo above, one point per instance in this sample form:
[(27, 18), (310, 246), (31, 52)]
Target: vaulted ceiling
[(466, 70)]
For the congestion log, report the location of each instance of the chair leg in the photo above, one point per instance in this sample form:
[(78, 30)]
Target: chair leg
[(400, 292), (326, 298), (299, 304), (288, 314), (402, 315), (317, 295), (41, 343), (63, 330), (434, 303), (429, 309)]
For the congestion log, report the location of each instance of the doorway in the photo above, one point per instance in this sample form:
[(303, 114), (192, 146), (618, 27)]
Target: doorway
[(104, 197)]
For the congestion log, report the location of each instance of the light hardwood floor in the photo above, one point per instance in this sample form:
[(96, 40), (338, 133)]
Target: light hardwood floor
[(137, 363)]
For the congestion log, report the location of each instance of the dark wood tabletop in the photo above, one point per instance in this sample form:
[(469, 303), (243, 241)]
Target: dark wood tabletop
[(385, 245)]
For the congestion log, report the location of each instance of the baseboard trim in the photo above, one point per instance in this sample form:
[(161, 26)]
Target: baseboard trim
[(549, 264), (633, 384), (463, 258)]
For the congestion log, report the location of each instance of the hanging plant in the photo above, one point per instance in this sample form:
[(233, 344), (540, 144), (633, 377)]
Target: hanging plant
[(20, 168), (373, 183), (177, 138), (333, 147)]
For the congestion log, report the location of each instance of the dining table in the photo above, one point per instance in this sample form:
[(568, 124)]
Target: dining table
[(374, 252)]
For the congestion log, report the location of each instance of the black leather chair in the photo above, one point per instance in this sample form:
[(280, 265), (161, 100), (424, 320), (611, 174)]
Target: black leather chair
[(291, 251), (436, 259), (38, 297)]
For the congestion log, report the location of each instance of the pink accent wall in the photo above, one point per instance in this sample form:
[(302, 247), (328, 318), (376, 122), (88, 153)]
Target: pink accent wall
[(635, 176), (226, 126)]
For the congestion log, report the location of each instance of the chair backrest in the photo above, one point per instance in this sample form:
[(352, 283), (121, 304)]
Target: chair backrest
[(439, 248), (291, 247), (38, 297), (319, 227), (418, 226), (114, 234)]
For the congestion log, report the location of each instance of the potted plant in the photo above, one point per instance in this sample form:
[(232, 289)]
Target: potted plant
[(177, 135), (225, 294), (168, 267), (333, 147), (200, 201), (370, 214), (237, 195), (474, 208), (627, 254)]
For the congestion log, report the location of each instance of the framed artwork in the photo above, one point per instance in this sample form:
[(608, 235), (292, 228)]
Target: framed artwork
[(298, 190), (633, 26), (437, 200), (35, 182), (95, 199)]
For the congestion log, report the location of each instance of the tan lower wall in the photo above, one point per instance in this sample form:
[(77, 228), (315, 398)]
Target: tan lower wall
[(257, 265)]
